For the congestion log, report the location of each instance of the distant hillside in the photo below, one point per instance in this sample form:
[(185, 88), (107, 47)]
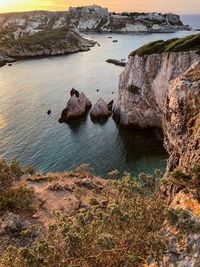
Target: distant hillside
[(92, 18)]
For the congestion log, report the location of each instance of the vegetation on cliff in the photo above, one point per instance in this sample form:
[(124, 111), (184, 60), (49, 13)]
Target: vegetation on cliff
[(123, 223), (46, 42), (188, 43)]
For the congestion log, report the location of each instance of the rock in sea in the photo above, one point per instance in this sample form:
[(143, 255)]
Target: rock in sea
[(116, 62), (77, 106), (101, 110)]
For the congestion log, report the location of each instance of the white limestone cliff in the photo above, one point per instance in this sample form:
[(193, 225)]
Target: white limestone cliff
[(143, 86), (90, 18)]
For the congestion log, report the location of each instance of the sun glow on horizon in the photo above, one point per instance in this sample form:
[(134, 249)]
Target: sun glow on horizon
[(179, 6), (25, 5)]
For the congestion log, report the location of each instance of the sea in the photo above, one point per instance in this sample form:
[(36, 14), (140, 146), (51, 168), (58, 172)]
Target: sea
[(29, 88)]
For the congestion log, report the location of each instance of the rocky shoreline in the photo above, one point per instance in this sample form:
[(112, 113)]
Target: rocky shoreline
[(52, 42), (116, 62), (35, 207), (91, 19), (32, 34)]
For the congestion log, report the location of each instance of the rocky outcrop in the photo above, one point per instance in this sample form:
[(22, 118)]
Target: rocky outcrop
[(181, 127), (116, 62), (5, 59), (101, 110), (96, 18), (77, 106), (90, 18), (181, 121), (143, 86), (49, 42), (183, 248)]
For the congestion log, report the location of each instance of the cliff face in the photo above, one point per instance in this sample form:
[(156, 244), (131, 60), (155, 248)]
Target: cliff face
[(143, 85), (18, 24), (39, 33), (91, 18), (181, 127), (181, 121), (95, 18)]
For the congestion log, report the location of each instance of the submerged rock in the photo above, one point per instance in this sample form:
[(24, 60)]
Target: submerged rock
[(77, 106), (116, 62), (101, 110)]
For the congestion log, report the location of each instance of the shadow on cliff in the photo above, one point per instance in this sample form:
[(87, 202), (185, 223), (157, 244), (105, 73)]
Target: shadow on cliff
[(137, 143)]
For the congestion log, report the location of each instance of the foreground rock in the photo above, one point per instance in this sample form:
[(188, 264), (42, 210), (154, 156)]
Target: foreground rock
[(144, 82), (116, 62), (181, 121), (101, 110), (77, 106)]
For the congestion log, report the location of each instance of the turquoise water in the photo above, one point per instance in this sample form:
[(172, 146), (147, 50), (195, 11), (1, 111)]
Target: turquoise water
[(30, 87)]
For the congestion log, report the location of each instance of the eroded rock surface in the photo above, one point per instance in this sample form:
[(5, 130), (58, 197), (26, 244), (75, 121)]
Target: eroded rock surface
[(181, 121), (101, 110), (77, 106), (143, 86), (91, 18)]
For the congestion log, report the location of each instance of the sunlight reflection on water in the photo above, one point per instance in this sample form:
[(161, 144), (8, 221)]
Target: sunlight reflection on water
[(3, 122)]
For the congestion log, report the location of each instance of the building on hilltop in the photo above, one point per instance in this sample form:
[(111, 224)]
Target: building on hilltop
[(102, 11)]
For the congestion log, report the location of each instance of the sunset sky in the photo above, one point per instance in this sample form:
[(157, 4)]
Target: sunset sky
[(178, 6)]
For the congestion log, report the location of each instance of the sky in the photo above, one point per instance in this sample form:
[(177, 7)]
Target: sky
[(177, 6)]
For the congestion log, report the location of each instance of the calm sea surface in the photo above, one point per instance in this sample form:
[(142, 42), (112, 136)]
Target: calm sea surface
[(192, 19), (30, 87)]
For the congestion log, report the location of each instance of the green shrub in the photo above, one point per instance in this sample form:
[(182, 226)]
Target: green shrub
[(11, 172), (19, 200), (147, 180), (84, 170), (196, 170), (113, 174), (188, 43), (180, 175), (94, 201), (124, 233), (182, 220)]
